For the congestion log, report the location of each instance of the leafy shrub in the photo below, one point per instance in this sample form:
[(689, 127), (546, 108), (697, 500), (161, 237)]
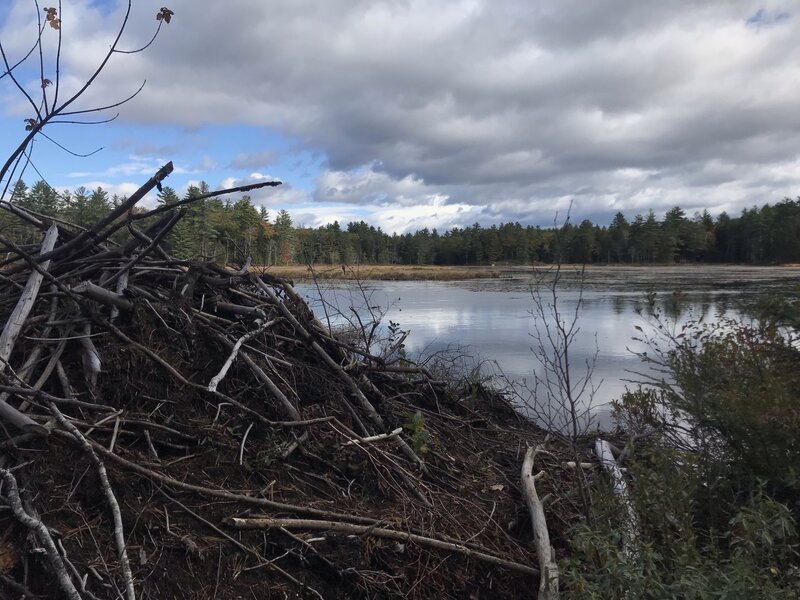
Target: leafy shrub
[(754, 557), (715, 481), (415, 426)]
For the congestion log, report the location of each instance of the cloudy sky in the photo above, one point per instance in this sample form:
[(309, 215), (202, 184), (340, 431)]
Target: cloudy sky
[(437, 113)]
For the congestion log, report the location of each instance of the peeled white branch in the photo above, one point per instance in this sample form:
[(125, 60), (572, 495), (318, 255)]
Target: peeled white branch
[(122, 285), (119, 535), (630, 525), (11, 491), (376, 438), (91, 359), (548, 567), (15, 322), (212, 385)]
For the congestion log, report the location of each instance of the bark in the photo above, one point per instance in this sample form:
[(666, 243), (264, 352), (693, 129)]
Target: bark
[(102, 295)]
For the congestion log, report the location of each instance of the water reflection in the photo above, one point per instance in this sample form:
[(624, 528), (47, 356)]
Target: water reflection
[(618, 304), (496, 325)]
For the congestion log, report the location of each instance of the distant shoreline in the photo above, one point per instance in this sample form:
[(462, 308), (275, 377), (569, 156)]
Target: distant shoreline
[(461, 273), (383, 272)]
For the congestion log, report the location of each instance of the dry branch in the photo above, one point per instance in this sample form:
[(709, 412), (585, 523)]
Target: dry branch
[(119, 535), (16, 320), (11, 491), (389, 534), (548, 582), (224, 494), (212, 385), (11, 331), (98, 294)]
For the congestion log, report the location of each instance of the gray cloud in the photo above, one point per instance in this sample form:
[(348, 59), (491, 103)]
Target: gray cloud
[(255, 160), (508, 106)]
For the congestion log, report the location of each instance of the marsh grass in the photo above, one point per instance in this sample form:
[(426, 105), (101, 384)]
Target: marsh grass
[(384, 272)]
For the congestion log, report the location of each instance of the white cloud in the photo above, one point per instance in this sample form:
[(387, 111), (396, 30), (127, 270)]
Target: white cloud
[(368, 186)]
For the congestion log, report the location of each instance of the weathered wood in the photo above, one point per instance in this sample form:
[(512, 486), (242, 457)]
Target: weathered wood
[(11, 491), (102, 295), (630, 520), (215, 381), (391, 534), (548, 567), (16, 321), (11, 331)]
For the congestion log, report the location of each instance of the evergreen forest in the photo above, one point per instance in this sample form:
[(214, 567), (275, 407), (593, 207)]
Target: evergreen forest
[(225, 230)]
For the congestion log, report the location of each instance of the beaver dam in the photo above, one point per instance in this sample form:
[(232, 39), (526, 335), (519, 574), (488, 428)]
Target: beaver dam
[(176, 429)]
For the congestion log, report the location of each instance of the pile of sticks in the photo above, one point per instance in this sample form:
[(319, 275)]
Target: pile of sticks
[(172, 428)]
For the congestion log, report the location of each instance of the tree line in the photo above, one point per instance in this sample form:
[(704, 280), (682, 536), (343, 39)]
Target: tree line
[(227, 230)]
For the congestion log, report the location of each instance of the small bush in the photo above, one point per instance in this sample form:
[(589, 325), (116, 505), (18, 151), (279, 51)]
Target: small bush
[(715, 483), (754, 557)]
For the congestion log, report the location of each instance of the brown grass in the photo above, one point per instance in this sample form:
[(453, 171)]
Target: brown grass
[(383, 272)]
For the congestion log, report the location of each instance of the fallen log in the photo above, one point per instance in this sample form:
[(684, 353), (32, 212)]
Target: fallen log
[(548, 567), (630, 520)]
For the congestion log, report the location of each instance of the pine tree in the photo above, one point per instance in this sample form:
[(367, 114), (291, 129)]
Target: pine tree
[(98, 205), (285, 235), (42, 199)]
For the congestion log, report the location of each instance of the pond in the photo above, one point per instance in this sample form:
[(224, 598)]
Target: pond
[(491, 322)]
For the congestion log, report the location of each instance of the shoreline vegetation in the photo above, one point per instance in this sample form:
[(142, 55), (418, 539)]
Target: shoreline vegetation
[(232, 229), (380, 272), (704, 274)]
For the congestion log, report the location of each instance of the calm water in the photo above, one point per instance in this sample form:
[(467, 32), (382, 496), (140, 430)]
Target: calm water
[(490, 321)]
